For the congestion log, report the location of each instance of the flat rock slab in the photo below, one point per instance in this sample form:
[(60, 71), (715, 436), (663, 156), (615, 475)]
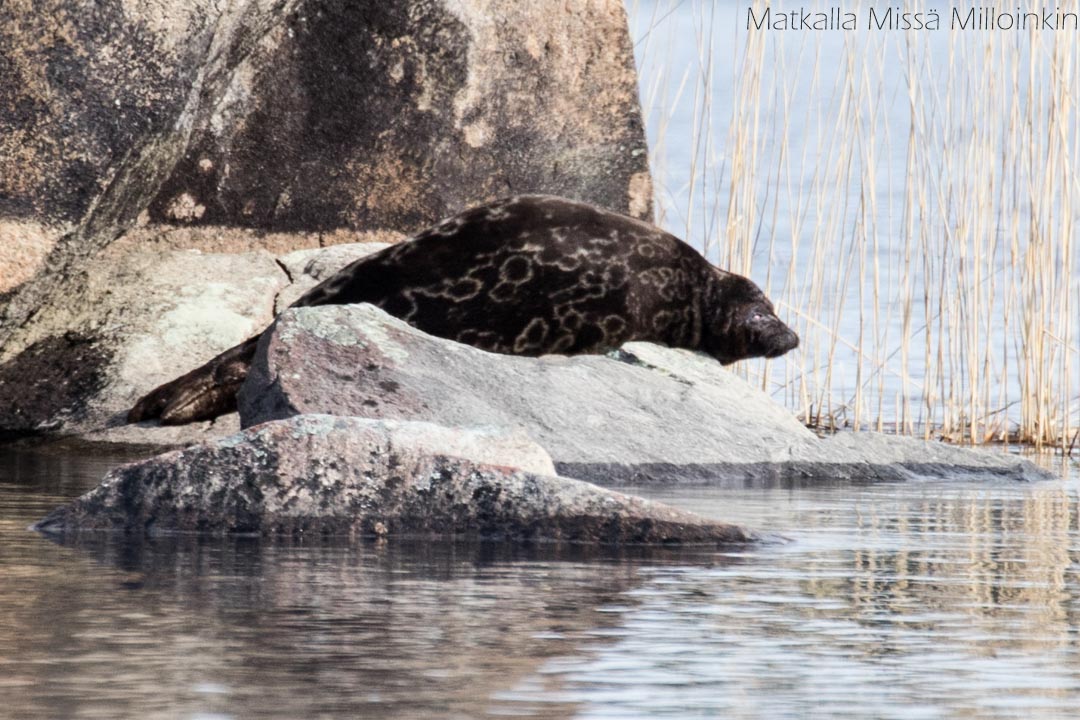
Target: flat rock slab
[(355, 477), (914, 458), (862, 456), (647, 414)]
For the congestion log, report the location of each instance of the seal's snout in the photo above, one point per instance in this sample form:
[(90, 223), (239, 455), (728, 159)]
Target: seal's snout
[(745, 324), (772, 338), (783, 342)]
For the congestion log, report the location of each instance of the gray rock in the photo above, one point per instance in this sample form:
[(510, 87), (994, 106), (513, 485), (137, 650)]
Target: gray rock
[(859, 455), (355, 477), (843, 456), (137, 318), (650, 414), (133, 321), (308, 268)]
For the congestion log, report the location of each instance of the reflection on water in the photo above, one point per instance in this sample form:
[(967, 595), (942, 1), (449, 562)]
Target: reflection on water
[(903, 600), (912, 600)]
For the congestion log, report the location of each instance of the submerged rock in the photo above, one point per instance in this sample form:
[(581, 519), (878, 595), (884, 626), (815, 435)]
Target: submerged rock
[(357, 477), (648, 414)]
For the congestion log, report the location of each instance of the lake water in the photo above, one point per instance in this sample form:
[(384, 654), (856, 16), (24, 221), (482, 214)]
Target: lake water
[(913, 600), (861, 188), (916, 600)]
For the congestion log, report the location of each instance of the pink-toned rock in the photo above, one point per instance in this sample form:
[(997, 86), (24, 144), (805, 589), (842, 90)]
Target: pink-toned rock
[(302, 119), (302, 115)]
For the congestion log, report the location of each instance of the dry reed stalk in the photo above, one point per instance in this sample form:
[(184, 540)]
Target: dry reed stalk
[(935, 294)]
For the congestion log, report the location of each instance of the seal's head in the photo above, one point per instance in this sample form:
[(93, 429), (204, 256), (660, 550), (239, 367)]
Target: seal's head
[(741, 323)]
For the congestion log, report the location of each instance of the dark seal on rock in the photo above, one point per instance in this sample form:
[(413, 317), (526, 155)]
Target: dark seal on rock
[(527, 275)]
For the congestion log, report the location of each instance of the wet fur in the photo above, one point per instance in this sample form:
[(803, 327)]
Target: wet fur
[(529, 275)]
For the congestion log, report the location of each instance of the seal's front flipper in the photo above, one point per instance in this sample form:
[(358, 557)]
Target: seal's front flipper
[(202, 394)]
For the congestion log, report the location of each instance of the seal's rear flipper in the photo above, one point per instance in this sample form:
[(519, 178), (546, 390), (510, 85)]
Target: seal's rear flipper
[(202, 394)]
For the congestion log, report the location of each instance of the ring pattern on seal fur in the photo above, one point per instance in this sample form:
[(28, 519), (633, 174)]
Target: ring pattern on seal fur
[(526, 275)]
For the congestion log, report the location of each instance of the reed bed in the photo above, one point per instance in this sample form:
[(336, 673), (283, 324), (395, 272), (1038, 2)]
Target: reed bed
[(907, 198)]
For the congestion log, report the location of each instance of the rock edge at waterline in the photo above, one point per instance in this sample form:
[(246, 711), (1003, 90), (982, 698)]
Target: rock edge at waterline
[(339, 476), (648, 414)]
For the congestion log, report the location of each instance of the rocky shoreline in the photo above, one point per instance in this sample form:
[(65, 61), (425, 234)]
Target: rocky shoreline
[(355, 425), (169, 186), (321, 475)]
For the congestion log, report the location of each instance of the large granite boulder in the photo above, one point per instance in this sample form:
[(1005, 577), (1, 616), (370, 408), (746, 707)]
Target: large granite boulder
[(650, 413), (298, 118), (299, 115), (354, 477)]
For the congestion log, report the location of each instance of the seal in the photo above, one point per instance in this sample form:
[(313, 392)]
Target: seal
[(526, 275)]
